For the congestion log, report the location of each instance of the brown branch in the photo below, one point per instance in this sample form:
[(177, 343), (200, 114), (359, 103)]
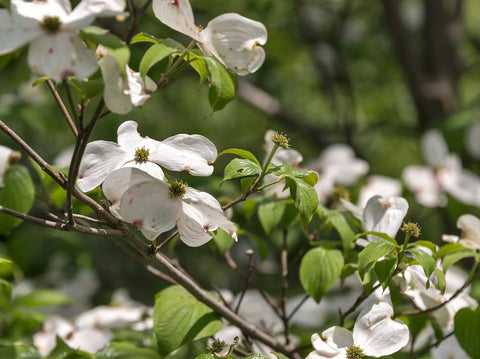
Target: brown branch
[(64, 110)]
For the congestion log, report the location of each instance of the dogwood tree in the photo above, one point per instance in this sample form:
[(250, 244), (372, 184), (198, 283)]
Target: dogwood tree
[(317, 259)]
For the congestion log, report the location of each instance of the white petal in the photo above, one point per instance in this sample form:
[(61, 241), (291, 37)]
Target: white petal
[(38, 10), (384, 215), (461, 184), (5, 153), (129, 139), (90, 8), (434, 148), (139, 90), (192, 153), (470, 226), (379, 185), (90, 340), (16, 31), (377, 334), (100, 158), (323, 350), (201, 213), (61, 55), (114, 84), (422, 181), (234, 40), (148, 206), (118, 182), (176, 14)]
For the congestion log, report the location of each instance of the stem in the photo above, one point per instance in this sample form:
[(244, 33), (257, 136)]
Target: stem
[(64, 110)]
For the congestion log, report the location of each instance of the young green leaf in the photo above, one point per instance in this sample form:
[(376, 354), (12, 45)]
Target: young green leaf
[(178, 318), (240, 167), (154, 55), (223, 84), (319, 270), (425, 260), (241, 153), (467, 327), (18, 193), (118, 350), (371, 253), (270, 215)]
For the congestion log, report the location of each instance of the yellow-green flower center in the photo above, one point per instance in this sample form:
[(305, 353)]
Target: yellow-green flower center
[(51, 24), (177, 189), (354, 352), (14, 157), (281, 140), (141, 155), (216, 346), (411, 228)]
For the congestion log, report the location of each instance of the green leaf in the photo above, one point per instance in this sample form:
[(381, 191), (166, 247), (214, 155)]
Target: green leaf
[(18, 193), (257, 356), (87, 88), (381, 235), (449, 248), (371, 253), (453, 258), (198, 64), (205, 356), (270, 215), (319, 270), (240, 167), (6, 267), (241, 153), (118, 350), (154, 55), (63, 351), (441, 282), (41, 298), (305, 197), (384, 270), (19, 351), (114, 44), (178, 318), (425, 260), (467, 327), (343, 228), (279, 356), (5, 293), (223, 240), (143, 37), (223, 84), (5, 3)]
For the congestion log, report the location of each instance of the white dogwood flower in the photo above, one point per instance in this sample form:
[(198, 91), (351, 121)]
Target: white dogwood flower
[(384, 215), (192, 153), (155, 206), (231, 38), (50, 27), (121, 92), (7, 158), (375, 334), (470, 237), (443, 173)]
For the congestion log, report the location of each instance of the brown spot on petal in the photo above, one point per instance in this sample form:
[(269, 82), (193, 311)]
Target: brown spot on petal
[(50, 50), (66, 73), (138, 223), (175, 3), (206, 227), (130, 201)]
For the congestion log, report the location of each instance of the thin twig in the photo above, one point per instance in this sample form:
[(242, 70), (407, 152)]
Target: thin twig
[(64, 110)]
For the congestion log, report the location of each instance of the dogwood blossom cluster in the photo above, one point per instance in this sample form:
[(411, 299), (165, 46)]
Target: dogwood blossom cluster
[(51, 30), (135, 184), (231, 38)]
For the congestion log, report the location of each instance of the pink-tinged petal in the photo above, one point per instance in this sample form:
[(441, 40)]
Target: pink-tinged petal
[(119, 181), (61, 55), (434, 148), (100, 158), (139, 89), (472, 144), (192, 153), (379, 185), (86, 11), (235, 41), (176, 14), (16, 31), (149, 207), (377, 334), (384, 215), (422, 181)]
